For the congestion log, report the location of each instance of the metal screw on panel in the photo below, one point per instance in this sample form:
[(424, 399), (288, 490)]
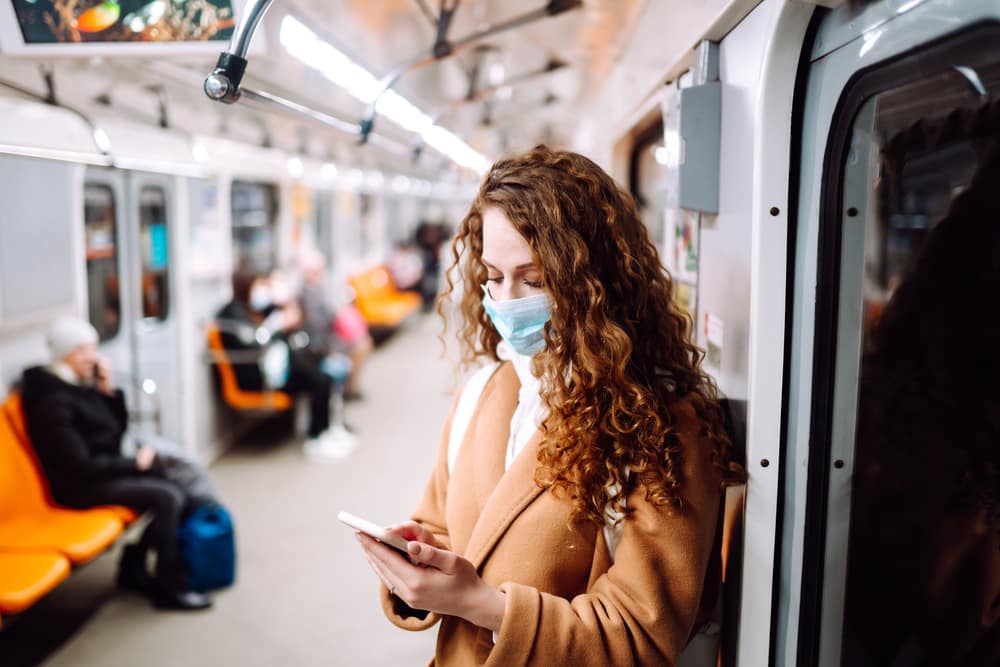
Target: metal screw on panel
[(838, 464), (852, 212), (764, 463), (775, 211)]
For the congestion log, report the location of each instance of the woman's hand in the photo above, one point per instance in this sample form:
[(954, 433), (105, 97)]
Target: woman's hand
[(435, 579), (104, 377), (411, 531)]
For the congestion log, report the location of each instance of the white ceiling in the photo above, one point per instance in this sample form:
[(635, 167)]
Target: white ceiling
[(377, 34), (380, 34)]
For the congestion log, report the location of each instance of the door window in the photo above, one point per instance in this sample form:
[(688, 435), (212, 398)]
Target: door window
[(254, 220), (155, 248), (918, 358), (101, 247)]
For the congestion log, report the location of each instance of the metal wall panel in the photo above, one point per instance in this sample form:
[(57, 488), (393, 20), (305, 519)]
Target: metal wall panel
[(37, 263)]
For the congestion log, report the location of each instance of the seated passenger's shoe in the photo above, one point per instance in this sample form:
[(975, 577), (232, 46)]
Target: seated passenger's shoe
[(132, 574), (334, 444), (181, 600), (169, 589)]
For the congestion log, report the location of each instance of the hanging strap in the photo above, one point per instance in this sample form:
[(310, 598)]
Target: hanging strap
[(466, 406)]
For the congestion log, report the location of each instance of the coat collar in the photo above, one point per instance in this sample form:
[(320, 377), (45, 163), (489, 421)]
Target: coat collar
[(63, 371), (512, 491)]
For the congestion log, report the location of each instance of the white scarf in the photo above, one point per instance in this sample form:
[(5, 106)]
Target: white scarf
[(530, 411), (63, 371)]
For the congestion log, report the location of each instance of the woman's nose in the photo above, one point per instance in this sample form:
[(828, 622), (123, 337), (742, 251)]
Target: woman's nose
[(502, 291)]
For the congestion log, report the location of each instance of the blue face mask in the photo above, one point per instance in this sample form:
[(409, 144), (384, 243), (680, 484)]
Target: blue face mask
[(521, 322)]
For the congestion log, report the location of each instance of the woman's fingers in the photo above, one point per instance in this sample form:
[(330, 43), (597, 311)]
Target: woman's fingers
[(424, 554), (377, 561), (412, 531)]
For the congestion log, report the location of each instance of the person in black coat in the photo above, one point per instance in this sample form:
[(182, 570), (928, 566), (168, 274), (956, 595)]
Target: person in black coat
[(257, 323), (76, 419)]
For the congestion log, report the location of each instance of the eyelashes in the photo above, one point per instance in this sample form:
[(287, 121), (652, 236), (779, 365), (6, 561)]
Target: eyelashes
[(529, 283)]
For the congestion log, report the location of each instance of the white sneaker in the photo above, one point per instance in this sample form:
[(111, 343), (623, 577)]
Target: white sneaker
[(334, 444)]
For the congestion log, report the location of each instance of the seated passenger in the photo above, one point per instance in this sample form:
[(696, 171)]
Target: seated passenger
[(406, 266), (333, 332), (253, 323), (76, 419)]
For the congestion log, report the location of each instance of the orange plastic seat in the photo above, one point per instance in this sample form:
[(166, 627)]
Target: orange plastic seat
[(26, 577), (232, 394), (29, 522), (378, 300), (14, 412)]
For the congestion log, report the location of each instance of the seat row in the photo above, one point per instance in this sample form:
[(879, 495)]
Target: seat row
[(40, 542)]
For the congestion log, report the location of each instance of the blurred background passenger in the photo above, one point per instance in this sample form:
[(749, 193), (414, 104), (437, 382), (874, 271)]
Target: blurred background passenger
[(254, 327), (406, 266), (429, 238), (333, 331), (76, 419), (923, 584)]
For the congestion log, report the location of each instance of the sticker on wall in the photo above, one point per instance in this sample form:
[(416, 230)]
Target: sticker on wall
[(714, 340)]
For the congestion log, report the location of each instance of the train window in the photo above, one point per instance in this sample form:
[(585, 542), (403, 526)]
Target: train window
[(367, 212), (153, 235), (101, 243), (324, 226), (918, 352), (254, 221), (672, 229), (648, 179)]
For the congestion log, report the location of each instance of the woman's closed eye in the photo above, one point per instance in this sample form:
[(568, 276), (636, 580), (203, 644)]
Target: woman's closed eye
[(535, 284)]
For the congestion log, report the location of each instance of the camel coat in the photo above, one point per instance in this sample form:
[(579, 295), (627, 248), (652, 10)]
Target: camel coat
[(567, 604)]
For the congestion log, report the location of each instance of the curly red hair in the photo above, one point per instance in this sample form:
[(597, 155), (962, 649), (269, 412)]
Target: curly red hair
[(618, 352)]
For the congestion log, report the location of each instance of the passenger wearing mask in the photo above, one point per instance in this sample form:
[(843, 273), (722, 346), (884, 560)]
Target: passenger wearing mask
[(253, 323), (333, 334), (573, 515), (76, 419)]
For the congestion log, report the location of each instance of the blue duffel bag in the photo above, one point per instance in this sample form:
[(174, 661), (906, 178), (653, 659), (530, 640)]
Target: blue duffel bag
[(208, 548)]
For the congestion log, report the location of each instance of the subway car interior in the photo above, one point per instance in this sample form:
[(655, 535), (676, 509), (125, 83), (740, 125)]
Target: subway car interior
[(229, 224)]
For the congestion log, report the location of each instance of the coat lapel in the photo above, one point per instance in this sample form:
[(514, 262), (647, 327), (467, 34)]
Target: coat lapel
[(514, 492)]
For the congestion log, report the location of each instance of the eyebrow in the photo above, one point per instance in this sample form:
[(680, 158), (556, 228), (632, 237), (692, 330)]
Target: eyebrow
[(529, 265)]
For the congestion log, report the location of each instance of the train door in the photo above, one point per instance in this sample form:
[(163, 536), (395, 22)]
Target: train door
[(127, 219), (895, 344)]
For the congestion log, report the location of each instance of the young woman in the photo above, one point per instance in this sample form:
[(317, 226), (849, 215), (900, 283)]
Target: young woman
[(575, 518)]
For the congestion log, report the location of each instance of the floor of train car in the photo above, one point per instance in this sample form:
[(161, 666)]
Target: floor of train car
[(304, 594)]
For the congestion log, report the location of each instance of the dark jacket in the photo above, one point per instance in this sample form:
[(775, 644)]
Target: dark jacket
[(76, 432), (236, 329)]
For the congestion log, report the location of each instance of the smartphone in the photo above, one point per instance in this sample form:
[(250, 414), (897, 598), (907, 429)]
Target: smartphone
[(374, 530)]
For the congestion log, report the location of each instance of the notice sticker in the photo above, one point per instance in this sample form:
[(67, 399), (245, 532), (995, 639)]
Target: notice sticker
[(714, 340)]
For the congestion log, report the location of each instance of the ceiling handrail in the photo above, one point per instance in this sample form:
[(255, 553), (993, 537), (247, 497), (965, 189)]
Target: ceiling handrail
[(441, 50), (224, 84)]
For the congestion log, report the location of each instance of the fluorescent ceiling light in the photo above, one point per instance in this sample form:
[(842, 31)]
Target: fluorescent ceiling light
[(304, 44)]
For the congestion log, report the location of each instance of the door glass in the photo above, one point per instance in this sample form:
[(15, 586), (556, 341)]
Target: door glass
[(923, 178), (101, 247), (254, 216), (153, 235)]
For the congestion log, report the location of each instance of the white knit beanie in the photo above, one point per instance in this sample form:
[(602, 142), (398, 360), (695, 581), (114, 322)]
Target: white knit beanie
[(68, 333)]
